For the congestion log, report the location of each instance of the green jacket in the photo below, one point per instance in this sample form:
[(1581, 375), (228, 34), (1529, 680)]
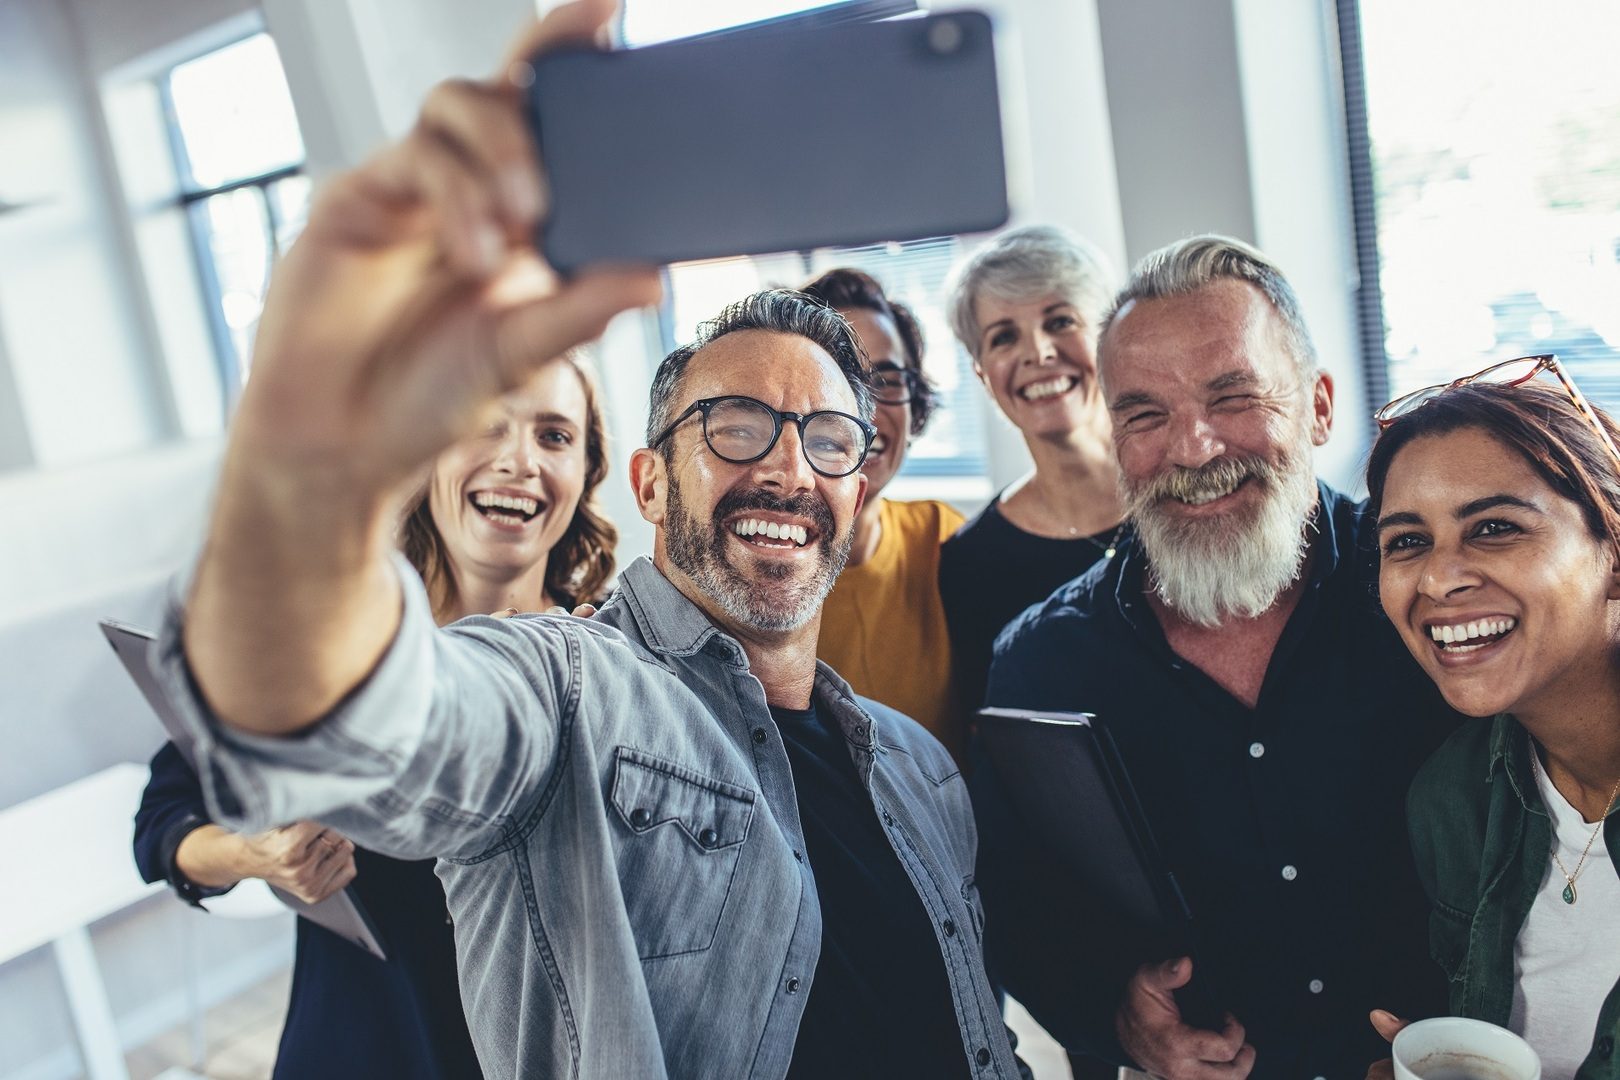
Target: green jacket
[(1482, 850)]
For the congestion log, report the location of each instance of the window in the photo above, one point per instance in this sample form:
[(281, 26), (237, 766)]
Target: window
[(1486, 165), (239, 157), (913, 273)]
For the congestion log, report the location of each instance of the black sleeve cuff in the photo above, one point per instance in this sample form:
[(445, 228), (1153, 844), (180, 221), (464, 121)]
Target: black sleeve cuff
[(184, 888)]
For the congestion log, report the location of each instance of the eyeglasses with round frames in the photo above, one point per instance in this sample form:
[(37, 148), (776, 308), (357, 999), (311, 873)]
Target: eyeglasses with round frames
[(743, 430), (1514, 372)]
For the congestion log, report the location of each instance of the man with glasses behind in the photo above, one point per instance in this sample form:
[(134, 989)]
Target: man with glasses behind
[(671, 844)]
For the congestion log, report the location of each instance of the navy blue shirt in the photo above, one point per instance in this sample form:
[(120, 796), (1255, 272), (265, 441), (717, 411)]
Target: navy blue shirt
[(1283, 823), (349, 1014), (880, 1005)]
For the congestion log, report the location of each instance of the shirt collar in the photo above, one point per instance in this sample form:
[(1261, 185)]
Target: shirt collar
[(1510, 756), (670, 623)]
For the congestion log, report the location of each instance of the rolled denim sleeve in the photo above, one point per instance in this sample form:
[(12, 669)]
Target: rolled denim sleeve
[(447, 740)]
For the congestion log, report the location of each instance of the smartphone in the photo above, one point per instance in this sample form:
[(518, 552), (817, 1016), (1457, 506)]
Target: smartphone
[(771, 140)]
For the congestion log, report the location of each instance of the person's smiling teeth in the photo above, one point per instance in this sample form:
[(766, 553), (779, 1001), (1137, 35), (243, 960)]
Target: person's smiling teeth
[(1048, 388), (1466, 637), (748, 528), (1210, 494), (491, 505)]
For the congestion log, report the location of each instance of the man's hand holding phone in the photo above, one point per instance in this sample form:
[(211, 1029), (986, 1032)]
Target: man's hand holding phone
[(413, 296)]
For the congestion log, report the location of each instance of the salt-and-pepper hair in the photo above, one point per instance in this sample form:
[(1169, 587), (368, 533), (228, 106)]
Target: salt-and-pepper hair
[(782, 311), (1027, 264), (1188, 265)]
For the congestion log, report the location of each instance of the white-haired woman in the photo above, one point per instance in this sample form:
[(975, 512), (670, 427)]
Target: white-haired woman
[(1027, 307)]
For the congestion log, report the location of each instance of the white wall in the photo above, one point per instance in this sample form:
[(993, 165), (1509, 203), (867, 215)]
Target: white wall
[(84, 384)]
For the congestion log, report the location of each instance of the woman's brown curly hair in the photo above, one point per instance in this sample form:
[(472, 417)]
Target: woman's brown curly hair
[(579, 566)]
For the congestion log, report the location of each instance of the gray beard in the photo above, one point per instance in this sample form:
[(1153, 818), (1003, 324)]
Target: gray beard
[(779, 603), (1209, 572)]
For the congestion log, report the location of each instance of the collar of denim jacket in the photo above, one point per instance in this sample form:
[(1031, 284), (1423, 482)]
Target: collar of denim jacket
[(670, 624)]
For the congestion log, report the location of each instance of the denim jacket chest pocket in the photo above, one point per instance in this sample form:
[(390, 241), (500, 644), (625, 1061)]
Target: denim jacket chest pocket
[(678, 836)]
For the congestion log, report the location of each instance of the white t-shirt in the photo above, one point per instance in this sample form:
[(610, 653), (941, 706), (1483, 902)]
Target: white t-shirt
[(1567, 956)]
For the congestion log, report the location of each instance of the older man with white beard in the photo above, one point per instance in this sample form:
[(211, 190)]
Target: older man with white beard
[(1269, 717)]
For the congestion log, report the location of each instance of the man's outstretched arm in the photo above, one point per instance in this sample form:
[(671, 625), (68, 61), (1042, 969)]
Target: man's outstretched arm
[(412, 297)]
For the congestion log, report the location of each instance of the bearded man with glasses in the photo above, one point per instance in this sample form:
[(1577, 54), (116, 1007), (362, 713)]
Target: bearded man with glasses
[(1267, 711), (673, 846)]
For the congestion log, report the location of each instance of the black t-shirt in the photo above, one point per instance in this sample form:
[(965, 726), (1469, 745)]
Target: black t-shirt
[(880, 1003), (992, 570)]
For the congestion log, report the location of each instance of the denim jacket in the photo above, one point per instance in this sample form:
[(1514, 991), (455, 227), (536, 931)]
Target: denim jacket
[(617, 830), (1481, 835)]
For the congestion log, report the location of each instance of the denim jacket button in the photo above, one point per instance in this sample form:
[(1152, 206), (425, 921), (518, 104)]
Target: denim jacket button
[(708, 838), (640, 818), (797, 854), (983, 1056), (793, 986), (759, 736), (949, 927)]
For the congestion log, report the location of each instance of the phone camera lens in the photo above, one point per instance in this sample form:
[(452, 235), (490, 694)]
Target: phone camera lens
[(945, 36)]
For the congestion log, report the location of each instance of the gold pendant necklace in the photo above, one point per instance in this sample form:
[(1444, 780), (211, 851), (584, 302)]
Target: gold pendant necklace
[(1569, 878)]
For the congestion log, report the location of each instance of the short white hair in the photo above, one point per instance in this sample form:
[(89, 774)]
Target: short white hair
[(1188, 265), (1027, 264)]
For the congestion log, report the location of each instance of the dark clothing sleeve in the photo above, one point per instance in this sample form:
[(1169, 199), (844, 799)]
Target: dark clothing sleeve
[(171, 807)]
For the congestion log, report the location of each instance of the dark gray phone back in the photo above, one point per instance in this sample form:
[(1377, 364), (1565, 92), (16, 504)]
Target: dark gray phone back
[(771, 140)]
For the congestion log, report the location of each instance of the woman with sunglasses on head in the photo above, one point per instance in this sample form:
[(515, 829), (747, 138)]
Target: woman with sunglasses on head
[(1498, 507), (883, 626), (1027, 307), (505, 520)]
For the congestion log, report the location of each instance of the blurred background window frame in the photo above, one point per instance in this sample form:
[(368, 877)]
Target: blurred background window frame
[(279, 194), (1419, 324)]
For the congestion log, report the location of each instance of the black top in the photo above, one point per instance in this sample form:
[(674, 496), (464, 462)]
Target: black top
[(350, 1014), (1284, 824), (989, 572), (880, 1003)]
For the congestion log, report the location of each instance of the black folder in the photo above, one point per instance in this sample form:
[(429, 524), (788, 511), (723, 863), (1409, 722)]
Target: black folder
[(1065, 780)]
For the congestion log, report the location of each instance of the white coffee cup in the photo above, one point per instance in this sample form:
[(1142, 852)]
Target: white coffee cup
[(1452, 1048)]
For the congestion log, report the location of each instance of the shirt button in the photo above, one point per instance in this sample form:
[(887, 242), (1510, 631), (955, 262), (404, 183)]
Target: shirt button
[(949, 927), (983, 1056), (759, 736), (1257, 749), (640, 818), (797, 854), (1316, 986), (888, 819), (708, 838), (1289, 873), (1605, 1047), (793, 986)]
